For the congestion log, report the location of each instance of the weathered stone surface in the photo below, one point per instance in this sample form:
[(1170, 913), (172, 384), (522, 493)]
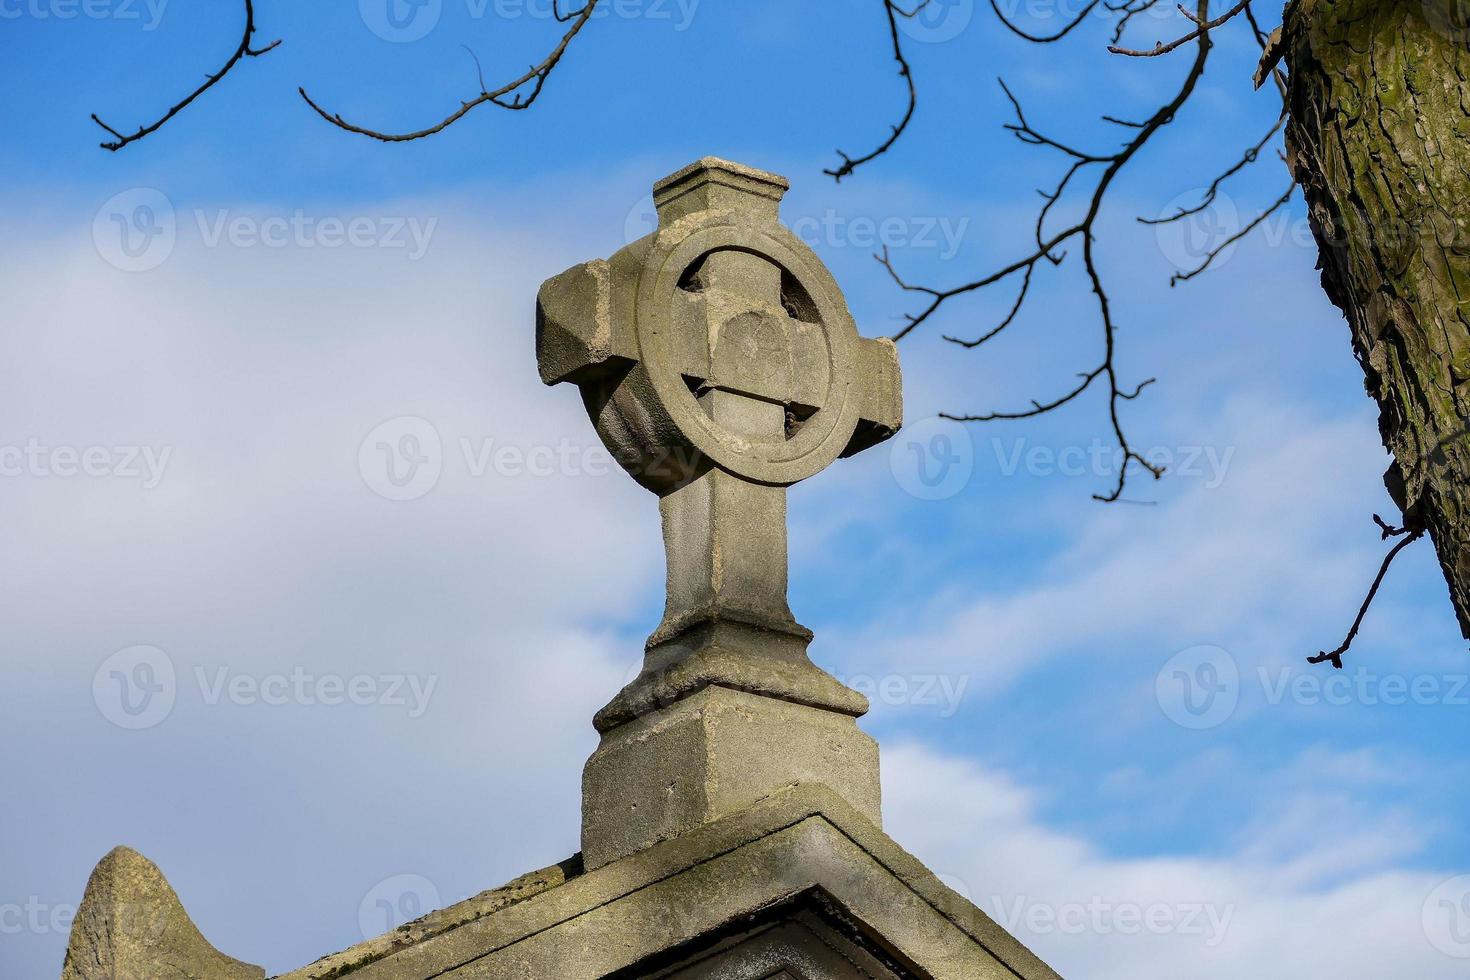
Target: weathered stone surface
[(880, 413), (720, 365), (710, 182), (131, 926), (721, 300), (574, 326), (723, 650), (438, 922), (710, 755), (628, 918)]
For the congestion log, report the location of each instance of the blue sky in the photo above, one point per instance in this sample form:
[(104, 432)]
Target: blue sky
[(1032, 649)]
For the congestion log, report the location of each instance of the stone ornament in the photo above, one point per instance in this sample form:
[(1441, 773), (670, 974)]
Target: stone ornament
[(731, 814), (719, 340), (719, 363)]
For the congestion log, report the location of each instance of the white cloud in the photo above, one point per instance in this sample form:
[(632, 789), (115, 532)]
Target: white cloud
[(1254, 565), (263, 552), (263, 549), (1308, 890)]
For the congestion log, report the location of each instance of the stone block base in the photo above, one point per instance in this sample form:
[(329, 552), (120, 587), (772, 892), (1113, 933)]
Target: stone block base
[(712, 754)]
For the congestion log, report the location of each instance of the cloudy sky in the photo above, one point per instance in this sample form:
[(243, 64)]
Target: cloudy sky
[(325, 689)]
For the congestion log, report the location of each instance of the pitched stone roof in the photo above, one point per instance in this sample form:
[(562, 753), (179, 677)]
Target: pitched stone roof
[(802, 841)]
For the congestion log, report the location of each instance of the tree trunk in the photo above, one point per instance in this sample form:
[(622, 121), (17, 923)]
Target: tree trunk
[(1379, 140)]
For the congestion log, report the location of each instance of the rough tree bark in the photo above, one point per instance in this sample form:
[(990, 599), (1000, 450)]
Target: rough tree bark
[(1379, 140)]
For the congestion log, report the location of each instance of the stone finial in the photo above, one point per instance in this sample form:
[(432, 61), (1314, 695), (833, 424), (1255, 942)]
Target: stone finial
[(131, 926), (714, 183), (720, 365)]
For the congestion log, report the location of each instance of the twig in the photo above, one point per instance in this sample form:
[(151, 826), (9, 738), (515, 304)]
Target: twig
[(1249, 157), (1213, 253), (849, 164), (535, 76), (1129, 9), (244, 50), (1066, 28), (1202, 27), (1010, 317), (1409, 537), (1047, 247)]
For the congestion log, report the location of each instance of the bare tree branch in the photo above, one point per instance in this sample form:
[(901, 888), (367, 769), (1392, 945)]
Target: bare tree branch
[(1409, 537), (849, 164), (1249, 157), (522, 92), (244, 50), (1010, 317), (534, 77), (1129, 9), (1037, 408), (1203, 27), (1066, 28), (1214, 252), (1046, 249)]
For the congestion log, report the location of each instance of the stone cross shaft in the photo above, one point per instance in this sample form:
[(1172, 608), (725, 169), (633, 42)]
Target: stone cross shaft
[(718, 361), (756, 372), (720, 365)]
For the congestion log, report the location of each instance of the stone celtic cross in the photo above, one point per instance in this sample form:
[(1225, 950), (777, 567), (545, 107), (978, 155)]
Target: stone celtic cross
[(719, 364), (731, 820)]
